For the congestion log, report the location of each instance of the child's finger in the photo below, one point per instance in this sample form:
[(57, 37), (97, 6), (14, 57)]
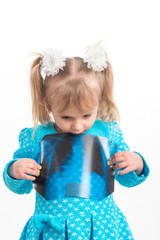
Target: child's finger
[(27, 177), (114, 160), (33, 162), (33, 166), (120, 165), (32, 172), (126, 170), (118, 154)]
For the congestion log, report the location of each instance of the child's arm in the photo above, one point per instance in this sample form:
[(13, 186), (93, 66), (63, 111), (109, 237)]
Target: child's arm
[(14, 176), (131, 166)]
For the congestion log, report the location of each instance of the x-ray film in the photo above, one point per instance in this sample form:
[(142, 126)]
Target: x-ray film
[(75, 166)]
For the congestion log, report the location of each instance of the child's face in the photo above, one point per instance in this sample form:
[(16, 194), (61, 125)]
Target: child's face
[(73, 121)]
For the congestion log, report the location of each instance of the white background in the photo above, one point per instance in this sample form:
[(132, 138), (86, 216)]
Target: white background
[(131, 31)]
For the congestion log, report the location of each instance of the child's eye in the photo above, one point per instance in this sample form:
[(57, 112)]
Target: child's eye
[(87, 115), (65, 117)]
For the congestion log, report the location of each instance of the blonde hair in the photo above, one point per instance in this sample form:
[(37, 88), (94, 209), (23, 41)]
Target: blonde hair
[(75, 84)]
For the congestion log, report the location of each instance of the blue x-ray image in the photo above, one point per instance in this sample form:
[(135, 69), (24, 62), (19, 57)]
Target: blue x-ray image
[(75, 166)]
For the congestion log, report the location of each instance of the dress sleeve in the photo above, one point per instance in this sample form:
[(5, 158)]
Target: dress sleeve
[(20, 186), (130, 179)]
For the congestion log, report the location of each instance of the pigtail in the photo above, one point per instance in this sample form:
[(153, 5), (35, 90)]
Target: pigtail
[(39, 110), (107, 103)]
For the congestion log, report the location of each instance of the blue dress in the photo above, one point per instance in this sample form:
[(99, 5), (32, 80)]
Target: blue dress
[(73, 218)]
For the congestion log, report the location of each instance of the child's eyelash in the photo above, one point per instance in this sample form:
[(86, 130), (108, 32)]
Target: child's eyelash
[(67, 118), (87, 115)]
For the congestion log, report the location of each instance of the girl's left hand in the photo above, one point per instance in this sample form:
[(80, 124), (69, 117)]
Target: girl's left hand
[(129, 160)]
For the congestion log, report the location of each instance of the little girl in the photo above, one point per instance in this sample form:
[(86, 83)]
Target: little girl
[(77, 93)]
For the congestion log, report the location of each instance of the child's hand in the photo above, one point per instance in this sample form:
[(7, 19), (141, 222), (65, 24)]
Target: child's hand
[(129, 160), (22, 167)]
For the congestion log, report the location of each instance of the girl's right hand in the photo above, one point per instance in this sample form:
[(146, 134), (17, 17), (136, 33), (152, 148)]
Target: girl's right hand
[(21, 169)]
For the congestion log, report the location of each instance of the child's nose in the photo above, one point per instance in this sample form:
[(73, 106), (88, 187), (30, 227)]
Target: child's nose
[(77, 126)]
